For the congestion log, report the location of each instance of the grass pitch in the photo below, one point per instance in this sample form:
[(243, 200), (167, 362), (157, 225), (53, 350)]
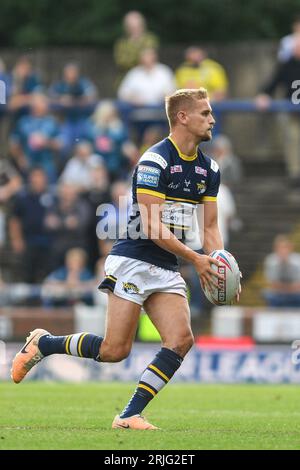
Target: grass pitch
[(63, 416)]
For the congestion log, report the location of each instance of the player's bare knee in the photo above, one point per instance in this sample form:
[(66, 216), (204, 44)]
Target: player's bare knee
[(181, 345), (113, 353), (185, 344), (121, 353)]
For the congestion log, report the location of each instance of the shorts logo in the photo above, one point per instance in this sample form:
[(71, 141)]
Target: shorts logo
[(200, 171), (148, 176), (130, 288), (176, 169), (155, 158)]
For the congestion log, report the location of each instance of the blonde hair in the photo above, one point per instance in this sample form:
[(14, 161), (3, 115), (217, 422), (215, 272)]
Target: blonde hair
[(182, 99)]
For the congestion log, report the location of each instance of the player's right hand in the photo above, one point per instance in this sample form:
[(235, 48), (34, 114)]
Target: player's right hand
[(206, 273)]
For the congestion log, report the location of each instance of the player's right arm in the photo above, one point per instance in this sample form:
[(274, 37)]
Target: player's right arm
[(150, 209)]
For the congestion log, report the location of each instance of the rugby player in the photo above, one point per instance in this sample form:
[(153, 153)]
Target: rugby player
[(170, 180)]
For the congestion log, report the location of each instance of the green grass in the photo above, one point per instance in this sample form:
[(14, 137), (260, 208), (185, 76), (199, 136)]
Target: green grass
[(60, 416)]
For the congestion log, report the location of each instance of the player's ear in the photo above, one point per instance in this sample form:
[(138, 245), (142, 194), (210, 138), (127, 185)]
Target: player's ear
[(182, 117)]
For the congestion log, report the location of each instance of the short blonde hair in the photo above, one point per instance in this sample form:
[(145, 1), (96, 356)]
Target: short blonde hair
[(182, 99)]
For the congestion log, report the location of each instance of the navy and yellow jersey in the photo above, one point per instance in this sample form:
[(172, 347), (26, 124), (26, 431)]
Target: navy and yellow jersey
[(182, 181)]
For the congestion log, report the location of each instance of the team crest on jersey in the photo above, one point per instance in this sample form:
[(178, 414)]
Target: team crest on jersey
[(148, 175), (176, 169), (201, 187), (200, 171), (130, 288)]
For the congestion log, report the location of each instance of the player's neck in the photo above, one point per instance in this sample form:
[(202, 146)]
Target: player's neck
[(186, 146)]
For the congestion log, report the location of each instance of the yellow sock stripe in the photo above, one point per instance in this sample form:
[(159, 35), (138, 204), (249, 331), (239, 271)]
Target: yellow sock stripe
[(147, 388), (159, 372), (111, 278), (80, 344), (68, 344)]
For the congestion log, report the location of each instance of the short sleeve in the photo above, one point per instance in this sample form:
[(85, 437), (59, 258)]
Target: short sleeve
[(212, 190), (151, 175)]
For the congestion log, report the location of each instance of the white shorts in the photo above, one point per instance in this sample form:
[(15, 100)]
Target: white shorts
[(136, 280)]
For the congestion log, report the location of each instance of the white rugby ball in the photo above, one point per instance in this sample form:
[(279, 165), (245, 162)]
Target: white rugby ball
[(229, 287)]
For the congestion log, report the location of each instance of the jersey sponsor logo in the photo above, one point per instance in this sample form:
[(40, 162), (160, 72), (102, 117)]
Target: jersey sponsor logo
[(214, 166), (200, 171), (155, 158), (201, 187), (130, 288), (174, 186), (148, 176), (187, 184), (176, 169)]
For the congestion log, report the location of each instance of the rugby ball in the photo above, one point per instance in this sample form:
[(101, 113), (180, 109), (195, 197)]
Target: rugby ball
[(228, 287)]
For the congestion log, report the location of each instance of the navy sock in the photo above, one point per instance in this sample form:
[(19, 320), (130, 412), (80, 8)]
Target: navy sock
[(80, 344), (153, 379)]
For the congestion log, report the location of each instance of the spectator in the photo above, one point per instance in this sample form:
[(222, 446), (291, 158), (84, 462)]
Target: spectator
[(226, 212), (115, 217), (148, 83), (152, 135), (68, 221), (99, 193), (284, 77), (229, 163), (132, 153), (75, 97), (28, 234), (3, 292), (108, 134), (7, 79), (24, 83), (73, 89), (71, 283), (128, 48), (286, 46), (78, 170), (282, 272), (200, 71), (10, 184), (36, 140)]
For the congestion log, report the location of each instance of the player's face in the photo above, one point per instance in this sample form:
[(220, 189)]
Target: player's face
[(200, 120)]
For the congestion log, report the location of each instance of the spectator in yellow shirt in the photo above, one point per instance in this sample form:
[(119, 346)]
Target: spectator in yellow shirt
[(127, 49), (199, 71)]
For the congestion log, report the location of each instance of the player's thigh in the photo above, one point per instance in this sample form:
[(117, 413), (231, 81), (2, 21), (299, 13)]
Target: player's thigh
[(121, 321), (170, 314)]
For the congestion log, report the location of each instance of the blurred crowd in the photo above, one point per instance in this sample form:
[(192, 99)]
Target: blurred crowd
[(70, 151)]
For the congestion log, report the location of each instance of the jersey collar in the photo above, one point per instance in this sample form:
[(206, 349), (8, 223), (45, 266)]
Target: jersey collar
[(187, 158)]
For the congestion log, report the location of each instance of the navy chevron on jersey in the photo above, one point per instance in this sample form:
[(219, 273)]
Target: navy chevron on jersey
[(180, 180)]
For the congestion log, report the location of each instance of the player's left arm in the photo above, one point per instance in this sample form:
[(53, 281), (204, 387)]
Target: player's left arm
[(212, 236)]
